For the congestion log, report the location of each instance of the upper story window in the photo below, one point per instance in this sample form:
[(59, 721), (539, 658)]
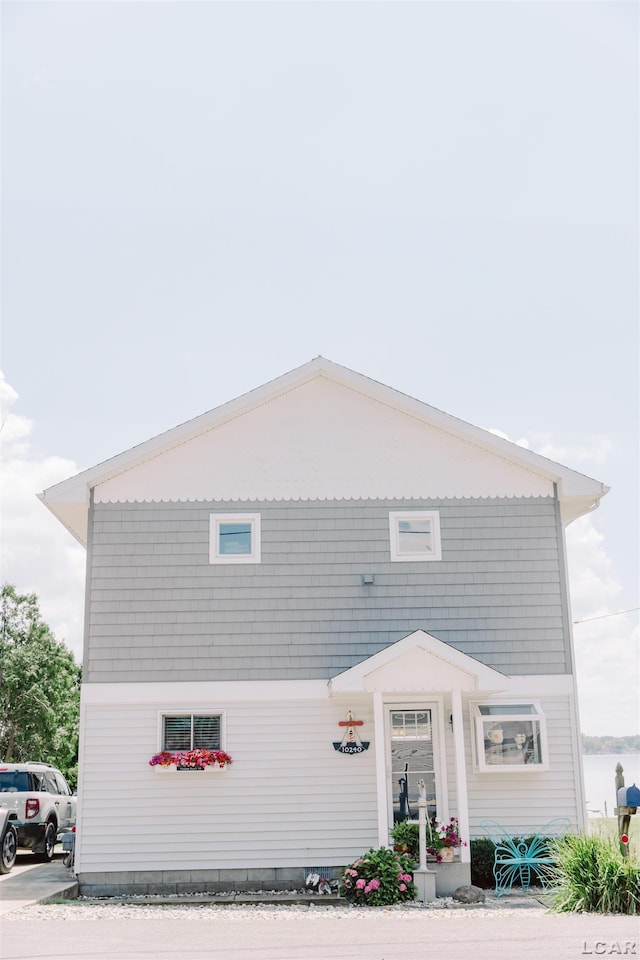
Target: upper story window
[(510, 736), (415, 535), (234, 538)]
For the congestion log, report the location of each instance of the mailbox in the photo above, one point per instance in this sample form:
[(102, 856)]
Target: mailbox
[(629, 796)]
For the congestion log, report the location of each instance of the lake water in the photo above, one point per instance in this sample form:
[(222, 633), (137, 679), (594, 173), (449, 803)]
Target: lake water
[(599, 779)]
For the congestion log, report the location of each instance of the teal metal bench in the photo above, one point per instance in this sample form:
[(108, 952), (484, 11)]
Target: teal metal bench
[(519, 860)]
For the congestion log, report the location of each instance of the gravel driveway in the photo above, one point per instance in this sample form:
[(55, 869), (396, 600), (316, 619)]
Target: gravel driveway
[(516, 928)]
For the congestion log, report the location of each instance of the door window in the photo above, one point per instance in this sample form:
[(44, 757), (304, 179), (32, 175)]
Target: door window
[(412, 759)]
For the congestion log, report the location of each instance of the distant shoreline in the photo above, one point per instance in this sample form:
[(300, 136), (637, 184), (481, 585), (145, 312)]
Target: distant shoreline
[(591, 746)]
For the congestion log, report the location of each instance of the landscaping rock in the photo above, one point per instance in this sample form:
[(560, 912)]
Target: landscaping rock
[(469, 894)]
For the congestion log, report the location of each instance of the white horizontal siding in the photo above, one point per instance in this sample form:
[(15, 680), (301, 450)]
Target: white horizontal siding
[(288, 799), (525, 802)]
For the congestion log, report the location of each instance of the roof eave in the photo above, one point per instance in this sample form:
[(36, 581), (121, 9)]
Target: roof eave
[(578, 494)]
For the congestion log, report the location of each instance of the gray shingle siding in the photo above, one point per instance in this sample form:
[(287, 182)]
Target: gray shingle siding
[(160, 611)]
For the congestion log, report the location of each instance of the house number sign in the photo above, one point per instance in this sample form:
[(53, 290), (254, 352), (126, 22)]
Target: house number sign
[(351, 742)]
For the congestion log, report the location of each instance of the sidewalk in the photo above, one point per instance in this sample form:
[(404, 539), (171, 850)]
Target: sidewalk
[(38, 884)]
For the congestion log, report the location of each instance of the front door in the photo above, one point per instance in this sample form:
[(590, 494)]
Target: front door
[(412, 754)]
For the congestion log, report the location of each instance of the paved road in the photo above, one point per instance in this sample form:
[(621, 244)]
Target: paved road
[(510, 929), (286, 933), (26, 862)]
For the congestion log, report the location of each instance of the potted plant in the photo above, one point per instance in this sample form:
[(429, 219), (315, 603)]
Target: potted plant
[(405, 838), (445, 838)]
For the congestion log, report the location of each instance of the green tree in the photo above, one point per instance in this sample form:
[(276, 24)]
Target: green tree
[(39, 688)]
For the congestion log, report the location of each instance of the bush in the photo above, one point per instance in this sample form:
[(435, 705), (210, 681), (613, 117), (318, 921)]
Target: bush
[(592, 876), (379, 878), (483, 853)]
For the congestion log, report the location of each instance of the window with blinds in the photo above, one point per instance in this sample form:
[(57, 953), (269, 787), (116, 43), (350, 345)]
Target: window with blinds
[(191, 732)]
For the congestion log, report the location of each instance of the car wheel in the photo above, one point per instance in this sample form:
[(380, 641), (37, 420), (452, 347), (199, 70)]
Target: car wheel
[(8, 849), (50, 836)]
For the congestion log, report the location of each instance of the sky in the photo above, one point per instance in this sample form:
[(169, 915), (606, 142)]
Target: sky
[(198, 197)]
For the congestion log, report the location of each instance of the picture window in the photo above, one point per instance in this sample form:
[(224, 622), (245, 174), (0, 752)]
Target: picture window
[(510, 737)]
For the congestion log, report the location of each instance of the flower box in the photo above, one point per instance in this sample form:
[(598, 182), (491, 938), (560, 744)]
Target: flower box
[(190, 761), (175, 768)]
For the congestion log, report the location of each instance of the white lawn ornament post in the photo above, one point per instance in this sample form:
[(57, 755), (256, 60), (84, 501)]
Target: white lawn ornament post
[(424, 879)]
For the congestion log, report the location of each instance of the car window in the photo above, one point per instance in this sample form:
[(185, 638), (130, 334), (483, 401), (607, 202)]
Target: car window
[(49, 783), (63, 787), (12, 781)]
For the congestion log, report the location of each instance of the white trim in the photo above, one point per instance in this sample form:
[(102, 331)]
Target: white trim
[(190, 711), (216, 520), (578, 764), (462, 790), (442, 773), (471, 673), (531, 685), (69, 499), (381, 769), (197, 693), (81, 778), (400, 556), (479, 720), (418, 702)]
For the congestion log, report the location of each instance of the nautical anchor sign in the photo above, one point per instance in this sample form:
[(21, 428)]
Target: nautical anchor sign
[(351, 742)]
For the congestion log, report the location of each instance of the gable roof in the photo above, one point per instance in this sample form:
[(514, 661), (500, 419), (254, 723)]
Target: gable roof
[(69, 500), (417, 663)]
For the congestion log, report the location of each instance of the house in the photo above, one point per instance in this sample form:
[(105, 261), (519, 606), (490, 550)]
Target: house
[(346, 590)]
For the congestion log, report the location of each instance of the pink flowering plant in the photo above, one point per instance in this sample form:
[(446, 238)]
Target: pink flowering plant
[(378, 878), (443, 835), (194, 759)]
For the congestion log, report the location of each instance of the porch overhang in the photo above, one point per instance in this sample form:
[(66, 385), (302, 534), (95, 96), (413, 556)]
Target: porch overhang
[(416, 664)]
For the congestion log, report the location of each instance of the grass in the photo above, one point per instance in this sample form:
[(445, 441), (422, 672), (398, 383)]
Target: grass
[(606, 828), (592, 876)]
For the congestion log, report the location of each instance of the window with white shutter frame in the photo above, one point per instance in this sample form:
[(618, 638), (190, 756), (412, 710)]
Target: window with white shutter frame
[(510, 737), (414, 535), (234, 538), (192, 731)]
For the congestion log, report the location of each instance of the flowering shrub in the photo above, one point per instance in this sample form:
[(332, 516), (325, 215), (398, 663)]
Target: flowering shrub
[(191, 758), (378, 878), (444, 835)]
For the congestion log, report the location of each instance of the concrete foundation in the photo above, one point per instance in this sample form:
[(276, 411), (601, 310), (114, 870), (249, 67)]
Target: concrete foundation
[(450, 876), (129, 882)]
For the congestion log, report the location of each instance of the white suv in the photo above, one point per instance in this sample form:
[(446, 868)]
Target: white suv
[(43, 802)]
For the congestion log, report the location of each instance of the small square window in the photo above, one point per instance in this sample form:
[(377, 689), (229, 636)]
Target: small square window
[(234, 538), (415, 535), (510, 737)]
